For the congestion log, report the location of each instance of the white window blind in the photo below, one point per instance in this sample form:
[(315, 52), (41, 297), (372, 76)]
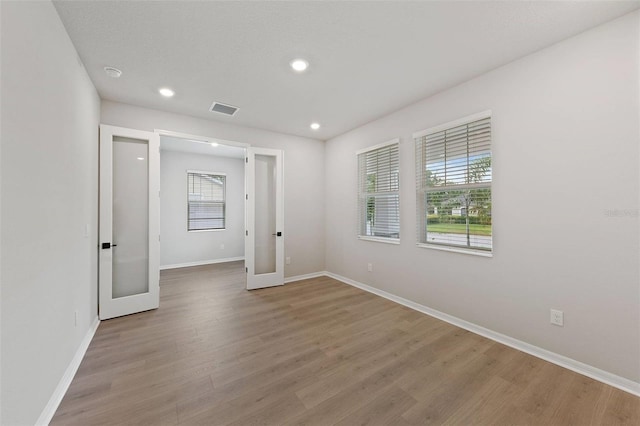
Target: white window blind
[(453, 172), (379, 192), (206, 201)]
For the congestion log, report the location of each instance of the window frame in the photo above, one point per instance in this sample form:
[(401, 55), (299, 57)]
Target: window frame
[(361, 194), (224, 201), (421, 191)]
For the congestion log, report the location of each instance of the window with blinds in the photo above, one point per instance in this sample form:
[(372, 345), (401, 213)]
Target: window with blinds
[(379, 192), (205, 201), (453, 173)]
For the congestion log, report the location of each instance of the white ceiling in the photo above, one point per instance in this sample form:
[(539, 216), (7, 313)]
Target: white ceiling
[(366, 58), (170, 143)]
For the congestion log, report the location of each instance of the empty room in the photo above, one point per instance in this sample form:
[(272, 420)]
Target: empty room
[(285, 212)]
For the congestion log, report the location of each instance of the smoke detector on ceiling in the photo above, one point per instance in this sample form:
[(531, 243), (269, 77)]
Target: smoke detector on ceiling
[(223, 108), (112, 72)]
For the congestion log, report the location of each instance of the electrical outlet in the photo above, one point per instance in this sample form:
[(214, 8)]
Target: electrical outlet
[(370, 267), (557, 317), (287, 260), (222, 246), (87, 230)]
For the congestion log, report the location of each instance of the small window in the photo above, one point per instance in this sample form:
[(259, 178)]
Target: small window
[(453, 172), (205, 201), (379, 192)]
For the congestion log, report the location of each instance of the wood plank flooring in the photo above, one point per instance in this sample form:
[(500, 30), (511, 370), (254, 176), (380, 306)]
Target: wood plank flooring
[(315, 352)]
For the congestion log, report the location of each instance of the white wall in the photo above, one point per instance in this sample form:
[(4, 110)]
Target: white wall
[(303, 174), (177, 246), (49, 195), (565, 151)]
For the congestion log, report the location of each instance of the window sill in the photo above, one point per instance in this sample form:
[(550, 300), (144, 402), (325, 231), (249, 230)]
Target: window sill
[(456, 250), (380, 239), (207, 230)]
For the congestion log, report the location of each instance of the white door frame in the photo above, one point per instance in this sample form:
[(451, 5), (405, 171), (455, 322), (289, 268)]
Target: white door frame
[(108, 306), (268, 279), (198, 138), (255, 281)]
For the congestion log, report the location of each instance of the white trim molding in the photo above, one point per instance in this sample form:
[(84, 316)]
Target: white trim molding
[(379, 239), (455, 123), (197, 138), (378, 146), (306, 276), (67, 378), (474, 252), (561, 360), (202, 172), (201, 262)]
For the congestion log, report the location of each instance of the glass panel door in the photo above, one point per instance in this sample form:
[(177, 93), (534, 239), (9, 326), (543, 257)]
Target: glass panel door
[(130, 217), (265, 214), (129, 271), (264, 241)]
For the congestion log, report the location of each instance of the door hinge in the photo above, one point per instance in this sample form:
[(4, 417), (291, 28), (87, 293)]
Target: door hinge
[(246, 270), (246, 159), (158, 237), (246, 233), (246, 196)]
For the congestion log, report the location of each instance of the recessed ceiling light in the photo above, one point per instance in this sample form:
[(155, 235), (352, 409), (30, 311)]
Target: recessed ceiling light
[(140, 158), (112, 72), (214, 143), (315, 126), (166, 92), (299, 65)]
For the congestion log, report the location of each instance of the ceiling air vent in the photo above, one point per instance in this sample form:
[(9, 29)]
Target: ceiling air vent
[(223, 109)]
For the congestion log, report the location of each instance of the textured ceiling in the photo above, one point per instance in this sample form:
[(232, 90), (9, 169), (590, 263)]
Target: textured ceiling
[(367, 58)]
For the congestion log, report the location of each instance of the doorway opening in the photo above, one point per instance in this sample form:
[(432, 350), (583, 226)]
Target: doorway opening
[(222, 201), (202, 196), (218, 201)]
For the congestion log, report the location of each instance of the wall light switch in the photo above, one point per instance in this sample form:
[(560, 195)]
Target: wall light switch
[(287, 260)]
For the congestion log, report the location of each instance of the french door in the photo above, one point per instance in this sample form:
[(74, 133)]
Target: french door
[(129, 221), (264, 238)]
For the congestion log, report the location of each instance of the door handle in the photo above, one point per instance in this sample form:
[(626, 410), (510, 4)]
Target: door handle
[(277, 234), (108, 246)]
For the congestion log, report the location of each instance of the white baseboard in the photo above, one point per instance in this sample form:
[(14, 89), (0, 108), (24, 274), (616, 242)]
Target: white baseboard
[(65, 381), (305, 276), (561, 360), (201, 262)]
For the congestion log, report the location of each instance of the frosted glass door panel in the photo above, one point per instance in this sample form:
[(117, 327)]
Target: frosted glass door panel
[(265, 214), (130, 217)]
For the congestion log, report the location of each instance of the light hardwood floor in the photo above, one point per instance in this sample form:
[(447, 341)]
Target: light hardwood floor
[(315, 352)]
